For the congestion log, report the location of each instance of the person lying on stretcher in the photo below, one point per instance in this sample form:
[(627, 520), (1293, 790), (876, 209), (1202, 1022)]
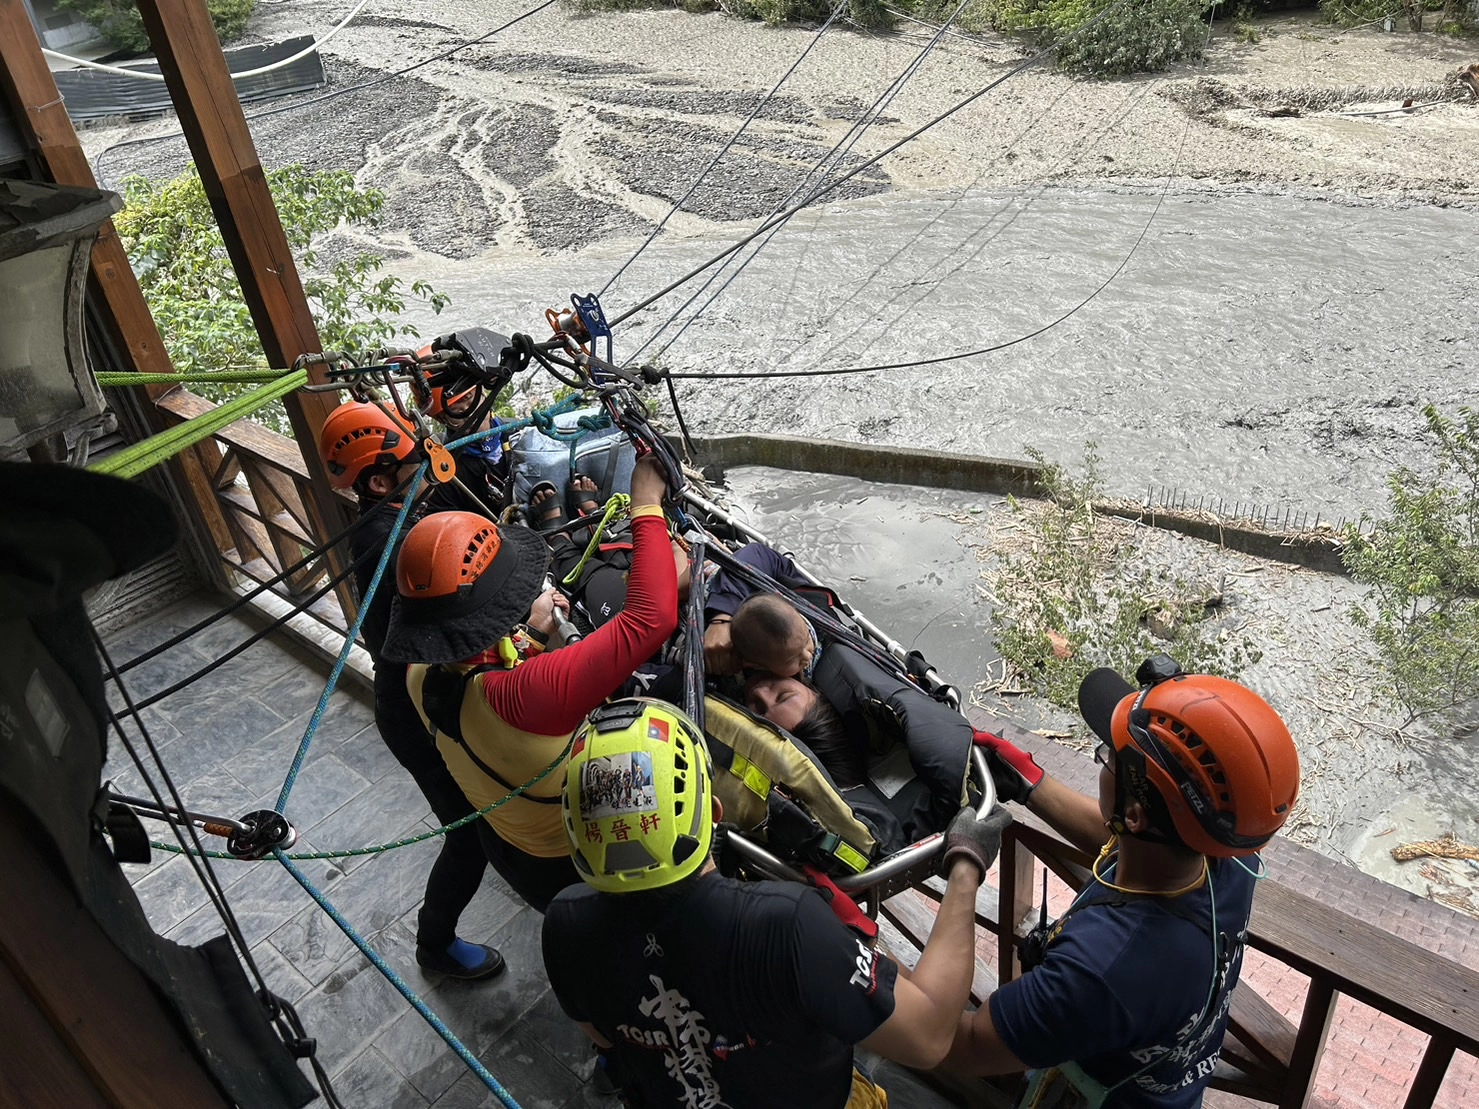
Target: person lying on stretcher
[(850, 711)]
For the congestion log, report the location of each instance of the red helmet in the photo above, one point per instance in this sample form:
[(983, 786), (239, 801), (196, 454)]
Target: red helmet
[(358, 435), (1217, 753)]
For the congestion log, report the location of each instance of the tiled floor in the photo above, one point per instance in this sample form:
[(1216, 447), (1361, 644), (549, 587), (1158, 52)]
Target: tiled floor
[(228, 741)]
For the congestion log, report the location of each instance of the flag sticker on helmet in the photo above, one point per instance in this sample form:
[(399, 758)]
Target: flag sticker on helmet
[(657, 729), (616, 785)]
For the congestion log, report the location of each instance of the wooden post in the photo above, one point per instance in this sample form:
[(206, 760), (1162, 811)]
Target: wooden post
[(26, 81), (211, 117), (1015, 875), (1309, 1045), (1430, 1073)]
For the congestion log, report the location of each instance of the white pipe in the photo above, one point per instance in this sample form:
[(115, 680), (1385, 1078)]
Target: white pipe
[(142, 76)]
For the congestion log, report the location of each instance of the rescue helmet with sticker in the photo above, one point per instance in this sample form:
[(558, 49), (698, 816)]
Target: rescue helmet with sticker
[(1221, 761), (636, 804), (360, 436)]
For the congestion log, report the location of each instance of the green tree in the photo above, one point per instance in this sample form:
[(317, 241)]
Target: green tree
[(177, 252), (1420, 565), (119, 21)]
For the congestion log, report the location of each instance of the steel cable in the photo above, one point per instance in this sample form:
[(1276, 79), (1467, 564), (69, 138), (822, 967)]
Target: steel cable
[(714, 161)]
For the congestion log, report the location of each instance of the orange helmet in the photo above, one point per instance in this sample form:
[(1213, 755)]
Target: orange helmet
[(359, 435), (463, 583), (1217, 755)]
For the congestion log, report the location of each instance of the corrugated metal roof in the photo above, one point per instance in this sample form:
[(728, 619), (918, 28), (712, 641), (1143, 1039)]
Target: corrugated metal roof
[(93, 94)]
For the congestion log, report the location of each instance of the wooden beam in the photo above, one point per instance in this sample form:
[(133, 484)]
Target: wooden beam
[(101, 1007), (27, 83), (215, 127)]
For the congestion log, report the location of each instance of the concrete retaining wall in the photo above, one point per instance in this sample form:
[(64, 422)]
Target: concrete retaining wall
[(1318, 550)]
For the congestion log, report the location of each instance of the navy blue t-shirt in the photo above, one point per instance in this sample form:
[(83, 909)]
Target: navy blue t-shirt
[(744, 995), (1121, 983)]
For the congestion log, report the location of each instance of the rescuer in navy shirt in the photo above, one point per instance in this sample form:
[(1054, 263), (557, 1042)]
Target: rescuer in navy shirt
[(705, 991), (1126, 1002)]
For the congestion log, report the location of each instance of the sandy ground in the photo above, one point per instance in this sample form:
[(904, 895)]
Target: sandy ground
[(535, 163)]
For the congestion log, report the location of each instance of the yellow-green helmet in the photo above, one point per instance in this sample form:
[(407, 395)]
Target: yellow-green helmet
[(637, 793)]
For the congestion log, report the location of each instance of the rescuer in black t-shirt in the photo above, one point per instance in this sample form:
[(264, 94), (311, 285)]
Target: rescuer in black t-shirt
[(705, 991)]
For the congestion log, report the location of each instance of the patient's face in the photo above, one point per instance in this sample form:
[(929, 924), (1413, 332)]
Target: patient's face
[(782, 701)]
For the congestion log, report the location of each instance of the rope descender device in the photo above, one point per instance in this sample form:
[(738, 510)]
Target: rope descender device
[(255, 836)]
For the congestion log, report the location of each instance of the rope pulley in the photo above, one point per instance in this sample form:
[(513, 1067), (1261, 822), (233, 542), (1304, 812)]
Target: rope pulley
[(254, 836)]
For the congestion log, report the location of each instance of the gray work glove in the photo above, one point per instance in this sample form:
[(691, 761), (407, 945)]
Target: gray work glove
[(973, 839)]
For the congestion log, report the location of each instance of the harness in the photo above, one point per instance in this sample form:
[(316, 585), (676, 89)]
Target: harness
[(442, 694)]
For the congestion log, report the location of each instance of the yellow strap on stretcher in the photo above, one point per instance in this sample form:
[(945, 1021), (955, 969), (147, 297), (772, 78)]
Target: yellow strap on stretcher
[(755, 779)]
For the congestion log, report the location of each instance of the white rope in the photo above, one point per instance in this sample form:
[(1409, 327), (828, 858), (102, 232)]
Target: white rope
[(143, 76)]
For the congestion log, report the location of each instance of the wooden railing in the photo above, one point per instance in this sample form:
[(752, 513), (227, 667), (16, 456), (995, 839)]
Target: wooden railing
[(1266, 1057), (261, 487)]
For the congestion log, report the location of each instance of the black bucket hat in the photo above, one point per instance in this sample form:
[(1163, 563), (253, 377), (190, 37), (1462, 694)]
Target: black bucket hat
[(460, 625), (1098, 696)]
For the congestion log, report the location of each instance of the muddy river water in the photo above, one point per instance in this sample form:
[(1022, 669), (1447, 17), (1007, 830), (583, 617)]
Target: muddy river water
[(1267, 349)]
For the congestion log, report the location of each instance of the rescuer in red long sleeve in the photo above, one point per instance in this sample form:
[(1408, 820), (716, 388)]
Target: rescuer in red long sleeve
[(474, 616)]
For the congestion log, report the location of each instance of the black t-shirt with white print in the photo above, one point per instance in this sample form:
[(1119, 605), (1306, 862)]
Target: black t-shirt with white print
[(746, 995)]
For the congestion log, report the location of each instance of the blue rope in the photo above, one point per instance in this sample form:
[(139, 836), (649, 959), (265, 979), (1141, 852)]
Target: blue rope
[(349, 638), (543, 419), (395, 980)]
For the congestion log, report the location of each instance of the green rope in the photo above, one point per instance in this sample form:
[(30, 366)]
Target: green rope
[(393, 844), (617, 503), (118, 380), (135, 459)]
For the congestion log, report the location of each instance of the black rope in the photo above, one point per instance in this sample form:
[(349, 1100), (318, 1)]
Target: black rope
[(830, 187), (682, 424), (295, 610), (290, 1030), (370, 83), (963, 354), (199, 861), (693, 633), (276, 579), (827, 166)]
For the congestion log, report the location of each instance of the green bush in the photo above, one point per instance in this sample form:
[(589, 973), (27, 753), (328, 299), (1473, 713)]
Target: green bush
[(1068, 600), (177, 252), (1135, 36), (119, 21), (1420, 565)]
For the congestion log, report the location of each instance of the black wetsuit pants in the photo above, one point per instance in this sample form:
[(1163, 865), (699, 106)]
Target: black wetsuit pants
[(533, 878), (458, 870)]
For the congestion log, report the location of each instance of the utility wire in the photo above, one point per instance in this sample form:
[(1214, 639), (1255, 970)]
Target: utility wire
[(345, 91), (825, 189), (840, 371), (826, 165), (677, 207)]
